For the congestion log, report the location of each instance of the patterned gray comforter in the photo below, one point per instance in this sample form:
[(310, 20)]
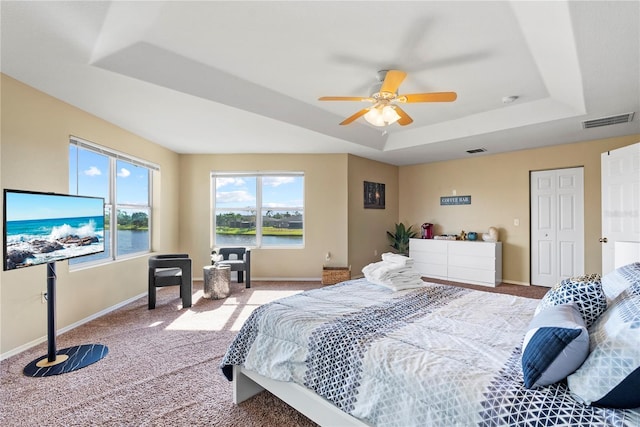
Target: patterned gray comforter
[(436, 356)]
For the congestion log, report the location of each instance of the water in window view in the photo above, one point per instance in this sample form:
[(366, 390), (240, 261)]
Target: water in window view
[(132, 241), (250, 240)]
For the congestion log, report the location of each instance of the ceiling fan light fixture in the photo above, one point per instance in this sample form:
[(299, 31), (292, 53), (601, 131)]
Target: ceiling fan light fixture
[(382, 116), (384, 95), (390, 115)]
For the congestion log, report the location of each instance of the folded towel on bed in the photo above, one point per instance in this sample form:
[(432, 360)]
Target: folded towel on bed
[(397, 258), (397, 274), (383, 270)]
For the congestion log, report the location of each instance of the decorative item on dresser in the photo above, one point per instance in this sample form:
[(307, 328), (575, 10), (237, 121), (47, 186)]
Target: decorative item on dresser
[(427, 230), (491, 236), (478, 263)]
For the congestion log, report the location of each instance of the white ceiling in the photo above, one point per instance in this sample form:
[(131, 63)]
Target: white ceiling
[(244, 77)]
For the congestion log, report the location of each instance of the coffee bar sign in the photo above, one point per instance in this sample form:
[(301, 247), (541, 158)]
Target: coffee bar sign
[(455, 200)]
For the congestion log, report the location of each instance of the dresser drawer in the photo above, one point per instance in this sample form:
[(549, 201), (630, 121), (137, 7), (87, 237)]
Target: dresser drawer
[(481, 262), (473, 248), (431, 270), (429, 257), (428, 245), (472, 275)]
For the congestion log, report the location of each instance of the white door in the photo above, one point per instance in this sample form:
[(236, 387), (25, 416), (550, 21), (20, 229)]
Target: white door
[(620, 201), (557, 225)]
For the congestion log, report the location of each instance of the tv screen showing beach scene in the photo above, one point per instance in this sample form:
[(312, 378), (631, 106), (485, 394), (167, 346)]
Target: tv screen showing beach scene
[(44, 227)]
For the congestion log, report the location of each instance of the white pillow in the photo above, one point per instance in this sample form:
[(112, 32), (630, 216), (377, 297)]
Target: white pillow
[(610, 376), (621, 278)]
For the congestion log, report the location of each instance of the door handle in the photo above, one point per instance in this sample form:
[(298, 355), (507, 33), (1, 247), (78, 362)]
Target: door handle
[(603, 240)]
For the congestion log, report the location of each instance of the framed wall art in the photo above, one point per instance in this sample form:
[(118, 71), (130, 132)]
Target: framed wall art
[(373, 195)]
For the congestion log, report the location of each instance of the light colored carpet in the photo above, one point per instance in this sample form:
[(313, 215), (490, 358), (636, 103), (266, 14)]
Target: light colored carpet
[(162, 368)]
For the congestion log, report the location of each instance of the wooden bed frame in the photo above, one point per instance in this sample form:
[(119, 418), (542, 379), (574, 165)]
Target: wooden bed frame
[(248, 383)]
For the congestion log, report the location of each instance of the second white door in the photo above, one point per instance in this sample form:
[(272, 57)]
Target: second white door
[(557, 225)]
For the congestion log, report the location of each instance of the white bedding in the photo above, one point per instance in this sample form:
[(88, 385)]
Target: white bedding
[(437, 356)]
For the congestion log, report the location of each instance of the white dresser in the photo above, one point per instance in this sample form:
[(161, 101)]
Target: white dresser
[(478, 263)]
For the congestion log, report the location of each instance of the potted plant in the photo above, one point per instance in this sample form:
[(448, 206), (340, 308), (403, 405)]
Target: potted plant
[(400, 239)]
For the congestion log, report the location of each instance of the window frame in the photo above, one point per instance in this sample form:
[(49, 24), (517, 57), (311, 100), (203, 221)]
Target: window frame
[(111, 203), (259, 208)]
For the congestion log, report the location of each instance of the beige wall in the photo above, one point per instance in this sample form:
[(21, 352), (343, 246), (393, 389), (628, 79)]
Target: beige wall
[(368, 227), (325, 215), (499, 190), (35, 149)]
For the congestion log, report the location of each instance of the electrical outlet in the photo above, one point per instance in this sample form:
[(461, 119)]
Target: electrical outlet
[(375, 252), (43, 297)]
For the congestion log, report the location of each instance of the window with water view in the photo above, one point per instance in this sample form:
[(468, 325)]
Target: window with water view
[(258, 210), (125, 186)]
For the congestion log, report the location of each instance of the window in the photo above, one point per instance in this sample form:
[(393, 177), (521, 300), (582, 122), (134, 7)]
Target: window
[(125, 185), (258, 209)]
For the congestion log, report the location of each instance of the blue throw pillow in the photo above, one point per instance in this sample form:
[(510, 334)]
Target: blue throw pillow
[(585, 291), (611, 374), (555, 345)]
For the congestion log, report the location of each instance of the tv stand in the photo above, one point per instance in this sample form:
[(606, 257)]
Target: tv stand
[(68, 359)]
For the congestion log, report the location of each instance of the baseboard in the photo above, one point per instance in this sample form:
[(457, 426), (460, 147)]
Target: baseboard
[(60, 331)]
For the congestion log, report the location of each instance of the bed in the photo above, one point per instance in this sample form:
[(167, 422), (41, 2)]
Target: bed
[(357, 353)]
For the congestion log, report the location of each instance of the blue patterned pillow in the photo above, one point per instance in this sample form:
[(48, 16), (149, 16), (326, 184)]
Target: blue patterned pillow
[(611, 374), (585, 291), (555, 345)]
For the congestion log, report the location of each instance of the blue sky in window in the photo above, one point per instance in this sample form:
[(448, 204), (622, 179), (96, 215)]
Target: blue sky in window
[(132, 183), (240, 192), (89, 174), (236, 192)]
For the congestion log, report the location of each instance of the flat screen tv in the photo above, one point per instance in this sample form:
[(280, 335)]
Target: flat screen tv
[(40, 228)]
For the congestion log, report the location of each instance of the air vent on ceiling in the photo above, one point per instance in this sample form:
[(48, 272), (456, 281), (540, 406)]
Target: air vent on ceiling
[(476, 150), (606, 121)]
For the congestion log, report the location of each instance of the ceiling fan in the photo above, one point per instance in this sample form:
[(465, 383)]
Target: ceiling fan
[(384, 110)]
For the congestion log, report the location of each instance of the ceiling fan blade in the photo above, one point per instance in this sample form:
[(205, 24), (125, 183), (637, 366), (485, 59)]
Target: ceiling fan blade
[(392, 81), (344, 98), (355, 116), (404, 117), (428, 97)]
